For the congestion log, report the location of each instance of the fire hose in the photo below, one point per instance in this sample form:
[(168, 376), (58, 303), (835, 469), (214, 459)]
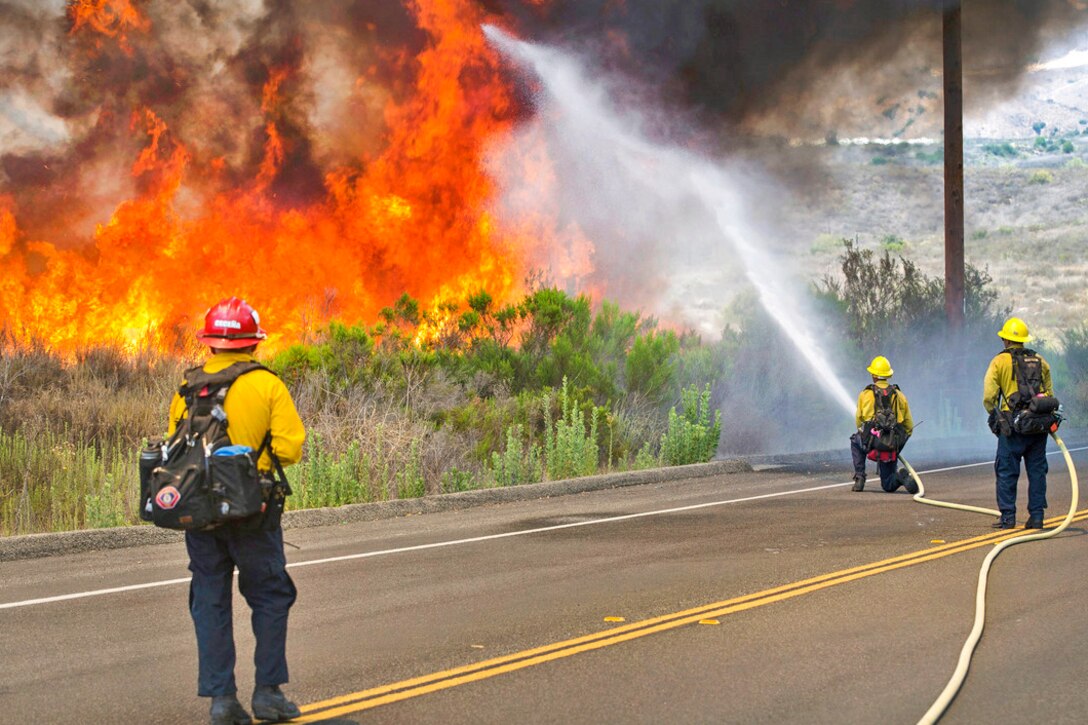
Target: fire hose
[(942, 702)]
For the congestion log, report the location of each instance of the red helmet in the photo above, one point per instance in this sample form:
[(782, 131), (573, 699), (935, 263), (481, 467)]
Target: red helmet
[(231, 324)]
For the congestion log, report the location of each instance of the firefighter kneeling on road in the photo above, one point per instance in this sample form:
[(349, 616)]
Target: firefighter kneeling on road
[(257, 405), (884, 425)]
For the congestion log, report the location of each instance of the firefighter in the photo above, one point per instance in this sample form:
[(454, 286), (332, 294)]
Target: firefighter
[(864, 443), (256, 403), (1000, 389)]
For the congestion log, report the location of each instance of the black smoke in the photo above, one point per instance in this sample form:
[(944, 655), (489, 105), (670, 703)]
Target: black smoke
[(72, 100), (734, 58)]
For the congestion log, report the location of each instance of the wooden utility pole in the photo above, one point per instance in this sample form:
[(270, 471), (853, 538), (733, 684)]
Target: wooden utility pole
[(953, 166)]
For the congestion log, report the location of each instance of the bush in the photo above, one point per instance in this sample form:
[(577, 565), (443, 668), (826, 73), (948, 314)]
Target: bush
[(517, 464), (691, 438), (1041, 177), (1003, 150), (570, 449), (892, 243)]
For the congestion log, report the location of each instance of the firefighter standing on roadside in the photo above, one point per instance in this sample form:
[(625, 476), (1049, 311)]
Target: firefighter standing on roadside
[(999, 386), (860, 442), (256, 403)]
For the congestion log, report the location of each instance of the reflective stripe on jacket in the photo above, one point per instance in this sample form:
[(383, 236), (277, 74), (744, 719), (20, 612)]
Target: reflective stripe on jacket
[(256, 403), (999, 381), (867, 408)]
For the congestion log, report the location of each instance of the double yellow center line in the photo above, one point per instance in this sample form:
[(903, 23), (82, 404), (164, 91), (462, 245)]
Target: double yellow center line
[(405, 689)]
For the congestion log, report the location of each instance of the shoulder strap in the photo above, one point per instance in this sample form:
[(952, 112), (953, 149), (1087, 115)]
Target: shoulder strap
[(882, 397), (204, 393), (1018, 355), (280, 478), (198, 382)]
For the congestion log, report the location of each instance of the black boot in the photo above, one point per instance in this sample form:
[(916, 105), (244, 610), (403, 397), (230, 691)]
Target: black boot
[(1005, 522), (1035, 521), (905, 478), (859, 482), (226, 710), (271, 704)]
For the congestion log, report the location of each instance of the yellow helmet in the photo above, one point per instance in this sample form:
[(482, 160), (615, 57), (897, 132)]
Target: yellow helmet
[(880, 367), (1014, 330)]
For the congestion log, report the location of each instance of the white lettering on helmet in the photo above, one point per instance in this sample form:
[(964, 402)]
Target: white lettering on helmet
[(232, 324)]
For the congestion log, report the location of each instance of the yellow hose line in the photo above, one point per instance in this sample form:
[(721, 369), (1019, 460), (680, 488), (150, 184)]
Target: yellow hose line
[(920, 496), (941, 704)]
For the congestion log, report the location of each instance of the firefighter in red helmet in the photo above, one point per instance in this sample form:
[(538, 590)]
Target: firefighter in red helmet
[(257, 404)]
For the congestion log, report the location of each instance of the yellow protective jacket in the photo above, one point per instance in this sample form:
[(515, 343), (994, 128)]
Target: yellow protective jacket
[(999, 383), (867, 408), (256, 403)]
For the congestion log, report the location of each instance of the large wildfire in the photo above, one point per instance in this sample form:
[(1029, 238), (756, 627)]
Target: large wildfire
[(321, 158), (305, 234)]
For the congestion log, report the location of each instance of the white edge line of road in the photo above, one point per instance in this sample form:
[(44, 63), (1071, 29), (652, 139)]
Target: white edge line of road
[(476, 539)]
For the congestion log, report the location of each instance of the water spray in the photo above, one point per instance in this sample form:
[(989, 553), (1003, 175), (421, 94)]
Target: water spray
[(590, 125), (690, 176)]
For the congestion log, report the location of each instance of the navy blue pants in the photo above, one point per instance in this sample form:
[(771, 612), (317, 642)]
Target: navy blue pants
[(269, 591), (1011, 450), (888, 480)]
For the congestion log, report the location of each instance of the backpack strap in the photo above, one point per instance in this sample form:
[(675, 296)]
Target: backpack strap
[(883, 396), (1017, 354), (204, 393), (280, 478), (201, 384)]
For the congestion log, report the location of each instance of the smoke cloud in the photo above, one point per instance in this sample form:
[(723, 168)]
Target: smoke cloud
[(801, 67), (288, 101)]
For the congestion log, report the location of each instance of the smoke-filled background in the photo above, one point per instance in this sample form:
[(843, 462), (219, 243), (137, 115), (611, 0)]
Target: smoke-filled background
[(321, 157)]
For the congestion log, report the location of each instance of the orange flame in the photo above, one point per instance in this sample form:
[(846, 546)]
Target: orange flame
[(414, 218), (111, 18)]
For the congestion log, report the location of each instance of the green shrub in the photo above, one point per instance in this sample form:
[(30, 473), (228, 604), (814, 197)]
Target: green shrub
[(892, 243), (651, 366), (410, 482), (1041, 177), (108, 507), (570, 449), (455, 480), (691, 438), (645, 458), (325, 479), (517, 464), (1003, 150)]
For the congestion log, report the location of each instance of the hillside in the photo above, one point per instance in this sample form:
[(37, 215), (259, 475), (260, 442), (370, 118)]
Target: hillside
[(1026, 219), (1026, 188)]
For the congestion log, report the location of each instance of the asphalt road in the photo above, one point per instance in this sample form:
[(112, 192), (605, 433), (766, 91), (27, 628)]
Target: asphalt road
[(818, 605)]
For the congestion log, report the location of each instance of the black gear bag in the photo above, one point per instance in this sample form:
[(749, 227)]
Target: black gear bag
[(884, 433), (197, 479), (1030, 411)]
